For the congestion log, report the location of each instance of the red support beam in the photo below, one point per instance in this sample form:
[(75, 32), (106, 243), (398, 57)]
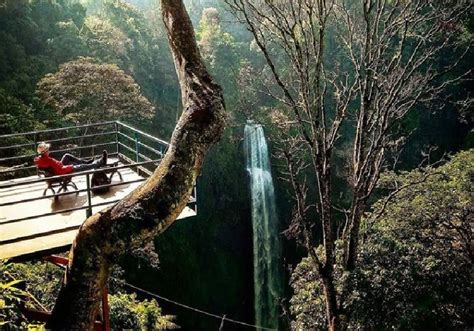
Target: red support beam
[(105, 310), (56, 259)]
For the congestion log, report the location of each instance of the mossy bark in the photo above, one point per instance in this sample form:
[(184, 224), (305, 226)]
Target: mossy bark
[(155, 205)]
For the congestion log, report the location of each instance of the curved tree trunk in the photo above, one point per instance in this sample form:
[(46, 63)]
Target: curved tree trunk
[(155, 205)]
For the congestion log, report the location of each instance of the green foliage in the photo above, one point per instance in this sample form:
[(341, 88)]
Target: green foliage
[(105, 41), (212, 39), (121, 34), (15, 116), (219, 49), (66, 43), (22, 285), (127, 312), (35, 36), (83, 91), (11, 297), (307, 303), (415, 260), (43, 281), (36, 285)]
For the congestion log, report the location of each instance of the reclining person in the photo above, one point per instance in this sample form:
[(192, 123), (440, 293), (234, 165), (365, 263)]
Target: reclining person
[(68, 164)]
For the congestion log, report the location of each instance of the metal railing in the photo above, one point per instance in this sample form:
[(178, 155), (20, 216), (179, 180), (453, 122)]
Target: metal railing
[(135, 149)]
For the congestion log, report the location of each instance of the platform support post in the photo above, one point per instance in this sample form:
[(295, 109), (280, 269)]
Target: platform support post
[(105, 310)]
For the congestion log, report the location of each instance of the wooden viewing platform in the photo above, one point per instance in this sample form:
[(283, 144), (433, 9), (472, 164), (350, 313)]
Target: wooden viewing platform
[(34, 225)]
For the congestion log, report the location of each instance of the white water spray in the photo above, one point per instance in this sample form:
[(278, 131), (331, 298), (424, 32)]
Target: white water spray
[(266, 233)]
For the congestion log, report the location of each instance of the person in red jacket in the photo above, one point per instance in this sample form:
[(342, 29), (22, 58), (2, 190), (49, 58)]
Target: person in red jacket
[(68, 164)]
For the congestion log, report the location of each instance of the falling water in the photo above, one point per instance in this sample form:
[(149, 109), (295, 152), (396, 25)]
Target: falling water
[(266, 239)]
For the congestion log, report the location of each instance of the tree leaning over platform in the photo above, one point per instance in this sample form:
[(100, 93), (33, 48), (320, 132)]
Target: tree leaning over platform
[(155, 205)]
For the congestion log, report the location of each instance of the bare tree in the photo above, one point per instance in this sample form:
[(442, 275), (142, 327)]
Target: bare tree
[(361, 66), (155, 205)]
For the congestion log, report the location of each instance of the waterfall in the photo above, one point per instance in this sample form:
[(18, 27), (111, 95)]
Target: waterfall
[(266, 234)]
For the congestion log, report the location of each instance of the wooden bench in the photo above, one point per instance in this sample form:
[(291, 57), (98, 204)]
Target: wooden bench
[(60, 184)]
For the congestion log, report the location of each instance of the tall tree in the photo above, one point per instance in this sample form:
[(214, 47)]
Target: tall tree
[(415, 259), (353, 68), (155, 205), (83, 91)]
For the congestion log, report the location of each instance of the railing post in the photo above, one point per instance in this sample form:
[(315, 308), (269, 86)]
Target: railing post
[(89, 199), (35, 141), (195, 197), (137, 147), (117, 145)]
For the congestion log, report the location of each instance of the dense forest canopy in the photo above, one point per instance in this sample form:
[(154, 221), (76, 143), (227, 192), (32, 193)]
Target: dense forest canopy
[(329, 80)]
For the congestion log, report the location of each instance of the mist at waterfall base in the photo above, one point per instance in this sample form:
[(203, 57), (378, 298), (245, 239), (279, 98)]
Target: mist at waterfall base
[(268, 286)]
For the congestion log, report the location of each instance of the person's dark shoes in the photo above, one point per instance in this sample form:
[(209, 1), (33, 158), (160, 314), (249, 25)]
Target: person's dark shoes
[(103, 159)]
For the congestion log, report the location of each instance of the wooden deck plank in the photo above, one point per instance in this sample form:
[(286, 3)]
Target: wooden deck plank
[(39, 234)]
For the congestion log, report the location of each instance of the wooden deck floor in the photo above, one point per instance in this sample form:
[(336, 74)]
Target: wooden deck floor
[(55, 232)]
